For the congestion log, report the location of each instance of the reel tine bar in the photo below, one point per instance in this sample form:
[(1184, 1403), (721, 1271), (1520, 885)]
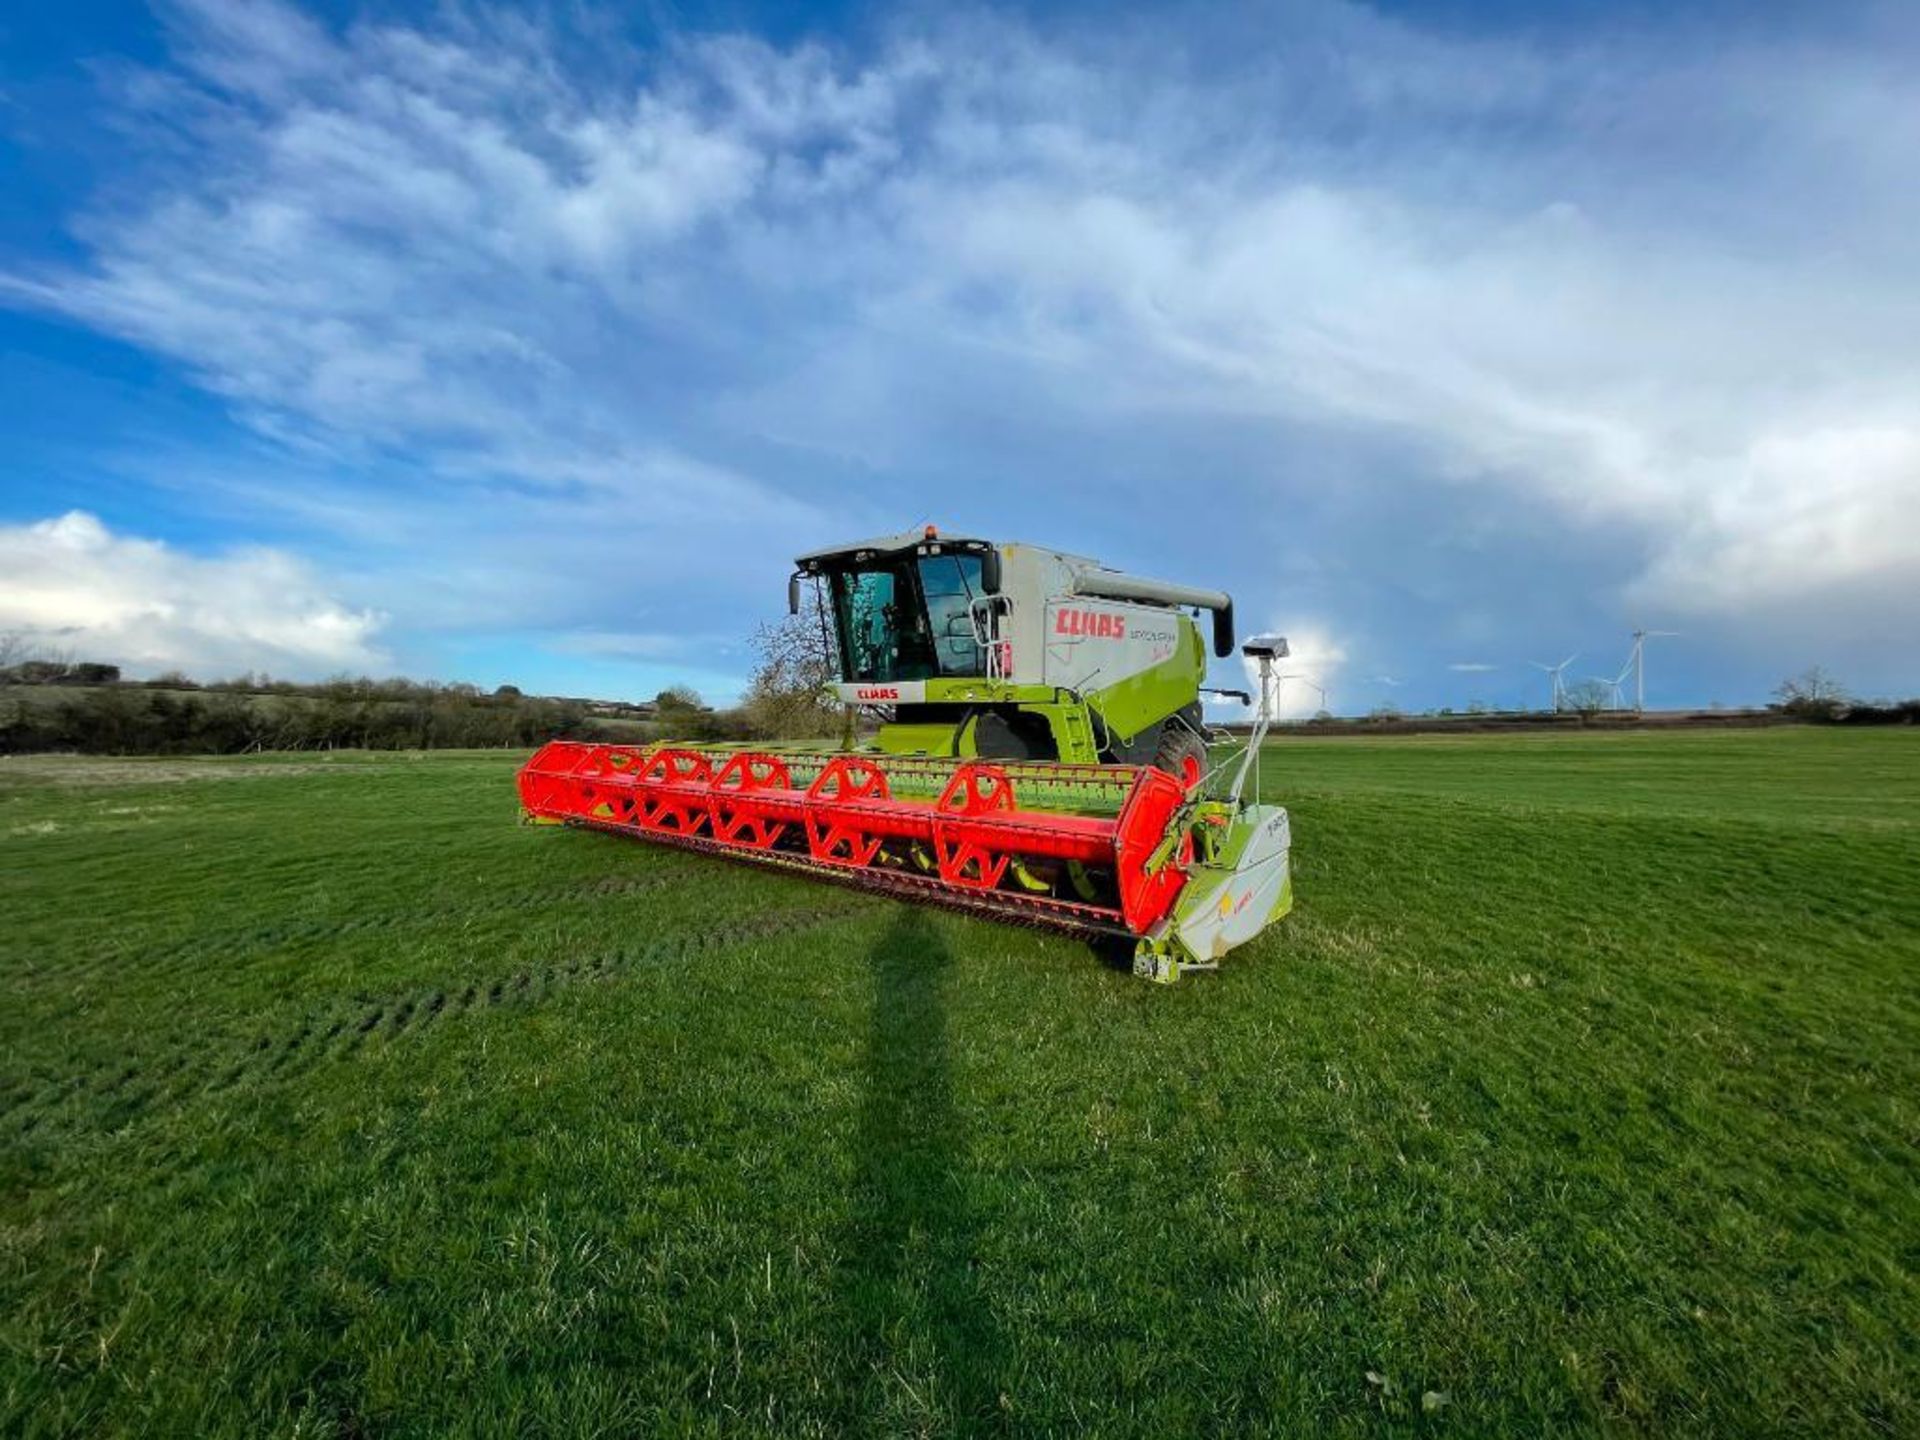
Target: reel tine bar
[(966, 835)]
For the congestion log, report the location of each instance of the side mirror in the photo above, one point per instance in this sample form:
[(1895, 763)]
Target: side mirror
[(793, 593), (990, 571)]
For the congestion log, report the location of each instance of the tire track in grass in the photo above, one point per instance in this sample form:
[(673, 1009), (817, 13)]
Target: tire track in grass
[(112, 1096), (174, 956), (409, 1013), (101, 1082)]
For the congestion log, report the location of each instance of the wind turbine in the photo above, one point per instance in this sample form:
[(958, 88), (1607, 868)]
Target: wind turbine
[(1554, 675), (1613, 684), (1311, 684), (1637, 662)]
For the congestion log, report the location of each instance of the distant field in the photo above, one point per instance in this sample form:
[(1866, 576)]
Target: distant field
[(1580, 1093)]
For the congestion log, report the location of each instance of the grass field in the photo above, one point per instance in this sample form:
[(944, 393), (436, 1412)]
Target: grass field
[(1580, 1093)]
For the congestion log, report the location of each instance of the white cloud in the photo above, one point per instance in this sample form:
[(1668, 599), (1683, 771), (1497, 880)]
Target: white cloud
[(651, 645), (1306, 680), (73, 585), (1801, 511), (1471, 667), (1742, 419), (1565, 277), (624, 644)]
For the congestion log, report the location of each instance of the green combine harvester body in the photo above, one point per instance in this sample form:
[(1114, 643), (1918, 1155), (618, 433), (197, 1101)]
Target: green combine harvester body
[(1039, 754), (1008, 651)]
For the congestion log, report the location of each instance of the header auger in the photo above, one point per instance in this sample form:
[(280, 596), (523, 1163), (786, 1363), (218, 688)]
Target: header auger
[(1040, 757)]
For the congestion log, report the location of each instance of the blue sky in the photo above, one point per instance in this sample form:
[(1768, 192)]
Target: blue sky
[(530, 344)]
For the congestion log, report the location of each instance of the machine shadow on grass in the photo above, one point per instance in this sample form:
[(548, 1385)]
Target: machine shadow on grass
[(909, 1288)]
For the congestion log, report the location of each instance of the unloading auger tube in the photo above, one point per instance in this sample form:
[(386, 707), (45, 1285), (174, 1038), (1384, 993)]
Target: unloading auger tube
[(1186, 863)]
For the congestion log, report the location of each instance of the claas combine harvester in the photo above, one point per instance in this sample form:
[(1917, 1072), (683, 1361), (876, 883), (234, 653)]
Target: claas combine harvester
[(1040, 754)]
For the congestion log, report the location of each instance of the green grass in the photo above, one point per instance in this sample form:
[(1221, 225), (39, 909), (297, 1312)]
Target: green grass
[(1580, 1093)]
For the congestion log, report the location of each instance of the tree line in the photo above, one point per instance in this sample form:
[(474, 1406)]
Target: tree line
[(1817, 697), (139, 719), (52, 702)]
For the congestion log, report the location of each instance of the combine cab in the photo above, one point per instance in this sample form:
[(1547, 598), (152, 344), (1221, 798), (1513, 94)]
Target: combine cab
[(1039, 756)]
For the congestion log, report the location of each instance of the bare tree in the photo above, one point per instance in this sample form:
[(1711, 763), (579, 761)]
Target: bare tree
[(1588, 697), (797, 661), (1812, 692)]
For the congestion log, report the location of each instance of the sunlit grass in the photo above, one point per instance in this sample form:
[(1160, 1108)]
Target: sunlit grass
[(1579, 1092)]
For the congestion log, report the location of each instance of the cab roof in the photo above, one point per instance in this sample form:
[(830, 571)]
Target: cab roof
[(887, 545)]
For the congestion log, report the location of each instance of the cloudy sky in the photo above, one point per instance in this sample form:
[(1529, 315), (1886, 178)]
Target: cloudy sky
[(530, 344)]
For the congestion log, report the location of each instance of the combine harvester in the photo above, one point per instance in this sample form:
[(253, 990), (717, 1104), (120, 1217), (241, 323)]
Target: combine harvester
[(1040, 756)]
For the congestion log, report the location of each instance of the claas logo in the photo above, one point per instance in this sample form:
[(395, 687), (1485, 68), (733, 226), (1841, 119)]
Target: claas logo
[(1090, 624), (1231, 905)]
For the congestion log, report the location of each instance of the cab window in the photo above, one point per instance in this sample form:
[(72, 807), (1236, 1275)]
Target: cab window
[(908, 618), (951, 582)]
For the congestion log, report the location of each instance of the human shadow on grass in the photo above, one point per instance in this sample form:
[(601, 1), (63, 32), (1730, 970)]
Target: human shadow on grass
[(910, 1291)]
